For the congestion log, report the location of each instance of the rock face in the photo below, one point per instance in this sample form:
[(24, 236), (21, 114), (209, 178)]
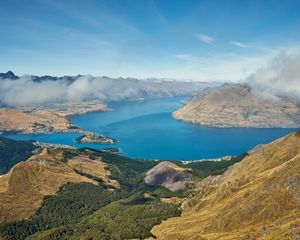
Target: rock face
[(258, 198), (237, 106), (168, 175)]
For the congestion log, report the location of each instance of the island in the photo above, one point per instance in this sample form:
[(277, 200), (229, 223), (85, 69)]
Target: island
[(90, 137)]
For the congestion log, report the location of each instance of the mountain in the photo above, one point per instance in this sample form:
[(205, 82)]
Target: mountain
[(257, 198), (35, 89), (61, 193), (237, 106), (23, 188), (9, 75)]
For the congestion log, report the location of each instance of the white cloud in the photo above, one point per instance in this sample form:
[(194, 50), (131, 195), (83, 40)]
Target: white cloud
[(239, 44), (27, 92), (280, 78), (204, 38), (224, 67)]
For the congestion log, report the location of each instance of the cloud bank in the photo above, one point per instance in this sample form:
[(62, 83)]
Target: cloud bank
[(26, 91), (280, 79)]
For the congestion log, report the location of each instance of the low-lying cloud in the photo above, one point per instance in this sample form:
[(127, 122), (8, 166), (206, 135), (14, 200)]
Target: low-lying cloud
[(280, 79), (27, 92)]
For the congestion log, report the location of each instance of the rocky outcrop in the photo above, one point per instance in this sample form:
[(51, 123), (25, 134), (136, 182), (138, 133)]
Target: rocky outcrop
[(237, 106), (168, 175)]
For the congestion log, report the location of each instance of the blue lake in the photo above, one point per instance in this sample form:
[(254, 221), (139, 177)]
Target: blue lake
[(146, 129)]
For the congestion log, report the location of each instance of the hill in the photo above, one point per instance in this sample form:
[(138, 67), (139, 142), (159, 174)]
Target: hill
[(237, 106), (85, 193), (36, 122), (257, 198), (168, 175), (47, 118), (23, 188)]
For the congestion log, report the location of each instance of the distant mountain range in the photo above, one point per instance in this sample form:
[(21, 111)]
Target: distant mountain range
[(10, 75), (86, 87), (237, 106)]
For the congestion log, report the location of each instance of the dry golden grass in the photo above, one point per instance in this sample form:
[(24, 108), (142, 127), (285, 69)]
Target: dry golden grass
[(23, 188), (93, 167), (258, 198), (17, 120), (237, 106)]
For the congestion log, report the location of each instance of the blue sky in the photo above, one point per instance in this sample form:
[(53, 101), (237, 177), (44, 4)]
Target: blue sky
[(190, 40)]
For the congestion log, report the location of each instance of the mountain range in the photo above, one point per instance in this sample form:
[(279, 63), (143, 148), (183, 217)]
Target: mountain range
[(100, 88)]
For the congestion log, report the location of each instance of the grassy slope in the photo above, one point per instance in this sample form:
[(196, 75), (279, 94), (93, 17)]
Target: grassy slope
[(257, 198), (206, 168), (93, 212)]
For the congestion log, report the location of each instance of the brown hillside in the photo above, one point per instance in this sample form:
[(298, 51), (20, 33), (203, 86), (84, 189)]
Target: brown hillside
[(258, 198), (23, 188), (237, 106), (41, 121), (168, 175)]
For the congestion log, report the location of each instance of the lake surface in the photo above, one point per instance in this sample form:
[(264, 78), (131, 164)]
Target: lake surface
[(146, 129)]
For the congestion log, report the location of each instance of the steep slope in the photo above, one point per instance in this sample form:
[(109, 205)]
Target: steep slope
[(23, 188), (258, 198), (237, 106)]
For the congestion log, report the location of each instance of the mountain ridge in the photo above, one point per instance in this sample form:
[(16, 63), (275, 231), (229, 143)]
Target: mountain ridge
[(237, 106), (257, 198)]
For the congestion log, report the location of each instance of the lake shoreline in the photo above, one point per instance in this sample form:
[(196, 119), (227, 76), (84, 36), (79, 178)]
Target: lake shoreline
[(146, 129)]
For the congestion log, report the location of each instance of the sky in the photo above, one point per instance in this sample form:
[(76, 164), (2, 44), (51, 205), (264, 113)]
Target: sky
[(175, 39)]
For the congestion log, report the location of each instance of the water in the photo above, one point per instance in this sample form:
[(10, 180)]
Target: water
[(146, 129)]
